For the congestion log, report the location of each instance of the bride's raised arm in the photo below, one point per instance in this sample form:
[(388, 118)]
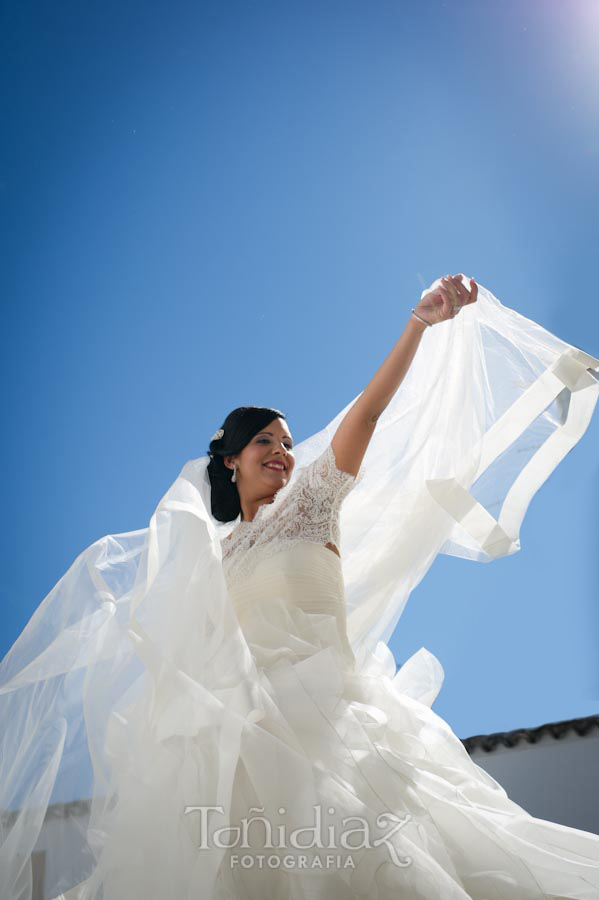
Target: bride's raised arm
[(353, 434)]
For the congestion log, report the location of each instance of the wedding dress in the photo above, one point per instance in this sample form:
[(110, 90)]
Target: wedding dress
[(207, 710)]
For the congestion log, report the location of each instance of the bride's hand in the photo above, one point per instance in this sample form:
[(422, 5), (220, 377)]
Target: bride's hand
[(445, 301)]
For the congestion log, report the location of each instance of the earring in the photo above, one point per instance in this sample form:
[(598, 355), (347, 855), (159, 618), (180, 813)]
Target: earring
[(234, 477)]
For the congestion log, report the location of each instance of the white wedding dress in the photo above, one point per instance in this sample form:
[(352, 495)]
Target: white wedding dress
[(351, 744), (193, 679)]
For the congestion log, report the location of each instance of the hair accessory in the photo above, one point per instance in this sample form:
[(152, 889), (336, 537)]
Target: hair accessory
[(218, 434)]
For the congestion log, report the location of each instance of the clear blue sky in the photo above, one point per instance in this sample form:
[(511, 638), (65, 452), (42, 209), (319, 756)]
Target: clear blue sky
[(207, 205)]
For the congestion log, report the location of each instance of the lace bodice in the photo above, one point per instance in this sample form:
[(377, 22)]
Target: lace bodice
[(307, 509)]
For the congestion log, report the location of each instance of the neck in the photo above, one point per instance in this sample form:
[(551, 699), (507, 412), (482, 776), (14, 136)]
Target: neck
[(249, 510)]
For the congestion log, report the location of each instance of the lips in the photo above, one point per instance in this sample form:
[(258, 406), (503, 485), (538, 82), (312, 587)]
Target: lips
[(277, 467)]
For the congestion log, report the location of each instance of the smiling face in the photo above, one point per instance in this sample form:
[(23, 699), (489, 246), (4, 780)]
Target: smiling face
[(265, 464)]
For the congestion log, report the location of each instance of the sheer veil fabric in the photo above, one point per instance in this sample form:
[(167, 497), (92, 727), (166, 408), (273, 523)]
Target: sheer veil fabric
[(133, 679)]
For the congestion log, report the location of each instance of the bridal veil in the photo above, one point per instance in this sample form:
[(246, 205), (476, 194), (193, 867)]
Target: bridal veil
[(132, 679)]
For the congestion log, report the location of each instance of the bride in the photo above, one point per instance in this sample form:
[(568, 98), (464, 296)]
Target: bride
[(208, 708)]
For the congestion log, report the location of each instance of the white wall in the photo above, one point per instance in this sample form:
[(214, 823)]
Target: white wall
[(555, 779)]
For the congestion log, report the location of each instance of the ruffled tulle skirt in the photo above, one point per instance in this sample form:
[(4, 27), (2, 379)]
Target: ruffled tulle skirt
[(344, 788)]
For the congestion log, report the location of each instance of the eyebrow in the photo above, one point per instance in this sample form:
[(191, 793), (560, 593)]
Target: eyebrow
[(270, 432)]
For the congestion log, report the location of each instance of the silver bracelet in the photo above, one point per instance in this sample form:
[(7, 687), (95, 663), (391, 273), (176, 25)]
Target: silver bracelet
[(421, 319)]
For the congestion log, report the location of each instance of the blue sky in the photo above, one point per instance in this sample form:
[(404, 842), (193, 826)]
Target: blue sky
[(208, 205)]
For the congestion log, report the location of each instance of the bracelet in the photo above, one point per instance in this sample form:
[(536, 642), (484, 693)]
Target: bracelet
[(421, 319)]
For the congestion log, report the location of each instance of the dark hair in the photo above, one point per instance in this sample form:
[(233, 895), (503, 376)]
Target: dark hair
[(240, 426)]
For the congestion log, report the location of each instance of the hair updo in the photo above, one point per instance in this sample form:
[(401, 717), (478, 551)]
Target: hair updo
[(240, 426)]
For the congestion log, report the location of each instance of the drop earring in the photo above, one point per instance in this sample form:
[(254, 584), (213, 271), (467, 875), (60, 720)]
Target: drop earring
[(234, 476)]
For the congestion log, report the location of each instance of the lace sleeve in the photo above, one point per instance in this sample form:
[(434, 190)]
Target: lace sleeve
[(322, 488)]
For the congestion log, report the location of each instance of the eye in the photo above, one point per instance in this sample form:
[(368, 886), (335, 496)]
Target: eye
[(262, 439)]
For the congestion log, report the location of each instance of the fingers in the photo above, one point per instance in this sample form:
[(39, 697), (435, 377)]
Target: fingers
[(453, 295), (456, 287), (470, 295), (458, 291), (447, 310)]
